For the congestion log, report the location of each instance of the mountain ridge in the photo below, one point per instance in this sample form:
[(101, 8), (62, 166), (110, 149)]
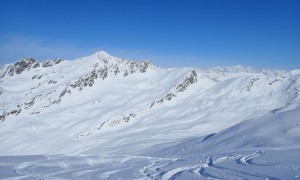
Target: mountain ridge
[(97, 100), (104, 55)]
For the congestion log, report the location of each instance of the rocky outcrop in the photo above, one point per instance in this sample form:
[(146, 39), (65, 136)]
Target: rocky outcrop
[(136, 66), (110, 69), (50, 63), (19, 67), (89, 79), (26, 64), (190, 79), (15, 112), (250, 84), (29, 104), (23, 65), (123, 119), (61, 95)]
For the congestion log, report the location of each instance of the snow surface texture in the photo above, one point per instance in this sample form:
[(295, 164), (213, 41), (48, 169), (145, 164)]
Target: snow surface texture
[(116, 118)]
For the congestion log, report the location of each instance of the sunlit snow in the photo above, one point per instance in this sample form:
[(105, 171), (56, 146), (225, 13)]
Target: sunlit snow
[(101, 117)]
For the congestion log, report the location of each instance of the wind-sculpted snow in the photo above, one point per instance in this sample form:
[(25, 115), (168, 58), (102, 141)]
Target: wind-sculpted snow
[(111, 108)]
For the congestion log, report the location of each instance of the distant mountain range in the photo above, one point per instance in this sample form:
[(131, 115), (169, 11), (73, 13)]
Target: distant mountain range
[(104, 105)]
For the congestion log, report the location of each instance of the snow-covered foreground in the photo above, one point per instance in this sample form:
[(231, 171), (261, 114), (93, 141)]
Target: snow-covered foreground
[(102, 117), (263, 148), (269, 164)]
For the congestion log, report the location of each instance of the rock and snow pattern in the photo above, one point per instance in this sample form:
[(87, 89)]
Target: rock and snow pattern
[(103, 117)]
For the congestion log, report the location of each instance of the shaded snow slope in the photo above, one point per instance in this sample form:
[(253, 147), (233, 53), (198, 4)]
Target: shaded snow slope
[(267, 147), (277, 131), (101, 104)]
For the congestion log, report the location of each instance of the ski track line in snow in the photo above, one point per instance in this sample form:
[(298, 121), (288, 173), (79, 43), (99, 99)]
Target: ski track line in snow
[(153, 170), (247, 159), (91, 170), (210, 163), (228, 173), (25, 169), (174, 173), (157, 168)]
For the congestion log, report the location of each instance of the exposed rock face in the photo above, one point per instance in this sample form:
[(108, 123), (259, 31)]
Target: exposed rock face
[(191, 79), (23, 65), (104, 66), (125, 119), (36, 65), (89, 79), (250, 84), (19, 67), (125, 67), (134, 66), (2, 117), (29, 104), (26, 64), (94, 98), (15, 112), (50, 84), (50, 63)]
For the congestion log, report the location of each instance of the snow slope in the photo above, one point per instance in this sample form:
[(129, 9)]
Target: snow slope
[(267, 147), (275, 131), (108, 108), (233, 153)]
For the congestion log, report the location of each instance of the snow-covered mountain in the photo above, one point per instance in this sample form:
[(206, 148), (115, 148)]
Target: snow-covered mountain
[(103, 105)]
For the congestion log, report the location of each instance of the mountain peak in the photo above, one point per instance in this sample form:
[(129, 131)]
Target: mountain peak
[(102, 53), (113, 61), (99, 54)]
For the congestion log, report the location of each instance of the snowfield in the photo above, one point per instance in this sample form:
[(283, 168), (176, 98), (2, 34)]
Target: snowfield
[(102, 117)]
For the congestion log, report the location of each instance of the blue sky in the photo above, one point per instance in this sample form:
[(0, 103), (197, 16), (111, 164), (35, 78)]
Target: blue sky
[(259, 33)]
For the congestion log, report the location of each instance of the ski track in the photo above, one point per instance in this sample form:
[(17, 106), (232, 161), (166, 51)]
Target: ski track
[(223, 172), (212, 166), (246, 160)]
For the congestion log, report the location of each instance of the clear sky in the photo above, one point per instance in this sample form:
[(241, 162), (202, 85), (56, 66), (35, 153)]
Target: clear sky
[(169, 33)]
